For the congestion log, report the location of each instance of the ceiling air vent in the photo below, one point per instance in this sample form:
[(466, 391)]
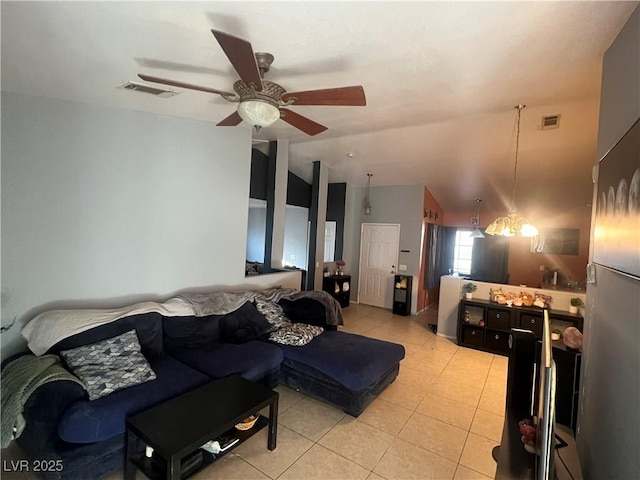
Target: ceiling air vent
[(140, 87), (550, 121)]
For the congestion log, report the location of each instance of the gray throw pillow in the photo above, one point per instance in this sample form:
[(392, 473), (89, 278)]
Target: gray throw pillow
[(109, 365)]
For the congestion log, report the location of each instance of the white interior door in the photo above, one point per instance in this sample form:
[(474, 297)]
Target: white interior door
[(378, 260)]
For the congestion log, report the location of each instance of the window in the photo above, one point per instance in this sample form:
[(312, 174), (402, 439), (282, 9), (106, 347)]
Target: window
[(463, 252)]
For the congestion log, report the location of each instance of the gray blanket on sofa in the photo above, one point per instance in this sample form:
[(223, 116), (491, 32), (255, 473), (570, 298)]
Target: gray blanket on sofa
[(20, 378), (221, 303)]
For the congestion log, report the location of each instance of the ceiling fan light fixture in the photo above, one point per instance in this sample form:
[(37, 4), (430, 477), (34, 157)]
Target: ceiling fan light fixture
[(261, 102), (258, 113)]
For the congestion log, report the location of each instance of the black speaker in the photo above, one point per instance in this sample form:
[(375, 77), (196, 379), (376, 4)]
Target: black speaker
[(521, 373)]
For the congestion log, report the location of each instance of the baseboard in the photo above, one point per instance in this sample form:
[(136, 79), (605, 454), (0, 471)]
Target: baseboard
[(446, 336)]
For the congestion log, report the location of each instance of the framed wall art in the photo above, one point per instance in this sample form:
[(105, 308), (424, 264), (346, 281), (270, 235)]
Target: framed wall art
[(557, 241), (616, 235)]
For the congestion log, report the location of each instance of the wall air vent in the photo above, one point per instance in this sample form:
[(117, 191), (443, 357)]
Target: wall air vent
[(550, 121), (140, 87)]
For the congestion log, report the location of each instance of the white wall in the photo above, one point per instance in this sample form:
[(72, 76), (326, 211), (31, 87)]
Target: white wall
[(102, 207), (280, 203)]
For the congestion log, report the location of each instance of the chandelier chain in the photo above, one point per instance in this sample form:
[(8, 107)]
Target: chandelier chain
[(515, 167)]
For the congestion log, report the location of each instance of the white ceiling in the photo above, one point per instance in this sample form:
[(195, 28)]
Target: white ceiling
[(441, 79)]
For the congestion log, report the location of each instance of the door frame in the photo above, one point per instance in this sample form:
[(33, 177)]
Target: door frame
[(362, 225)]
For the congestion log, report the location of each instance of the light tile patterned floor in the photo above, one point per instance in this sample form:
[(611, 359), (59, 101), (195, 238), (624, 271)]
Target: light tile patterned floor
[(438, 420)]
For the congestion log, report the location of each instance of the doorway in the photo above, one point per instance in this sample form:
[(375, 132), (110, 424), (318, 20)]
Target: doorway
[(379, 245), (330, 242)]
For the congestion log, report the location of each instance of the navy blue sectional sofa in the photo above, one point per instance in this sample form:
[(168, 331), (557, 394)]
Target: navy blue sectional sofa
[(186, 352)]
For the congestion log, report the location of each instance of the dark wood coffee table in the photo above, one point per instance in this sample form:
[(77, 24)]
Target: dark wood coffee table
[(177, 428)]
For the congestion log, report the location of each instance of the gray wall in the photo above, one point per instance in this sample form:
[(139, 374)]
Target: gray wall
[(608, 436), (102, 207), (399, 205)]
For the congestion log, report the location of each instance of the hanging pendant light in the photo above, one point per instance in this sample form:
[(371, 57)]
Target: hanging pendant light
[(513, 223), (477, 233), (367, 202)]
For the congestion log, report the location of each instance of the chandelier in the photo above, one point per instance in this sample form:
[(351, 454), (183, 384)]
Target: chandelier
[(513, 223)]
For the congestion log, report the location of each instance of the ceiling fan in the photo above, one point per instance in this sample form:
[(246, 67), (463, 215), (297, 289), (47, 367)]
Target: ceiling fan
[(261, 102)]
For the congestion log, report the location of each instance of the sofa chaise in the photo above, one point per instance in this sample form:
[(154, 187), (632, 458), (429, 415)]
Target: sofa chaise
[(187, 349)]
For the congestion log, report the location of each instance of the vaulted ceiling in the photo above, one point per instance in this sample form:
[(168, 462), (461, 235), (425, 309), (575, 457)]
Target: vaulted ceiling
[(441, 80)]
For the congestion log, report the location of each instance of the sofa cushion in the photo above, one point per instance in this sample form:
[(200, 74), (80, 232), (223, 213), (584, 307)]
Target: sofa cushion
[(93, 421), (148, 327), (304, 310), (190, 332), (109, 365), (354, 361), (244, 324), (253, 360)]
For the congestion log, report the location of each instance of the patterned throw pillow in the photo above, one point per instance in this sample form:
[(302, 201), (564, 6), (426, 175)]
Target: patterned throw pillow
[(109, 365), (296, 334), (273, 313)]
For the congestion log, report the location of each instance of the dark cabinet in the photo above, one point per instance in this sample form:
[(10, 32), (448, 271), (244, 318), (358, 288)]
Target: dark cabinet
[(497, 341), (533, 322), (473, 336), (567, 383), (339, 287), (402, 294), (485, 325), (495, 322), (498, 319), (492, 321)]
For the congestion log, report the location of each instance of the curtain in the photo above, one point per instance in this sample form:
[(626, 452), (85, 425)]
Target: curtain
[(439, 253), (490, 259), (431, 263)]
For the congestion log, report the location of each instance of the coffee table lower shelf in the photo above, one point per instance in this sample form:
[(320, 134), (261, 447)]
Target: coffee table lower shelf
[(177, 428), (156, 469)]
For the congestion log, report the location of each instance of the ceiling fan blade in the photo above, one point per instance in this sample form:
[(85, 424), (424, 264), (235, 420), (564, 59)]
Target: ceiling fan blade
[(174, 83), (231, 121), (347, 96), (240, 54), (301, 123)]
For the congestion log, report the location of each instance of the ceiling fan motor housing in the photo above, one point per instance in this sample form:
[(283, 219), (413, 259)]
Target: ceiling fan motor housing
[(271, 92)]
